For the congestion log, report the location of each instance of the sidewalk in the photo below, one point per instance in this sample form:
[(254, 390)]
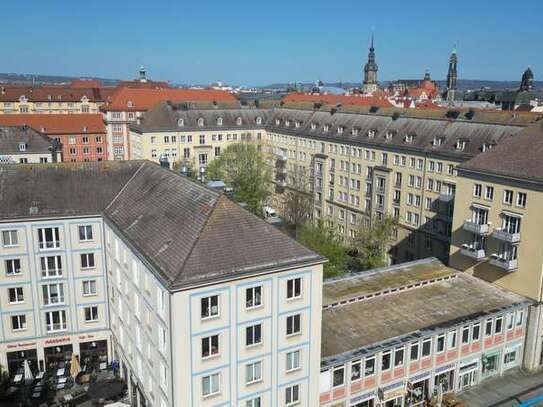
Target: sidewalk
[(506, 391)]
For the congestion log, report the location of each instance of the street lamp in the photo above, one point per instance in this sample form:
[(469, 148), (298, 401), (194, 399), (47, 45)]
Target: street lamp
[(202, 174)]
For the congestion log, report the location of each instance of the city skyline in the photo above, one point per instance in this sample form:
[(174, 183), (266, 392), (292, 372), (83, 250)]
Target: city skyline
[(249, 45)]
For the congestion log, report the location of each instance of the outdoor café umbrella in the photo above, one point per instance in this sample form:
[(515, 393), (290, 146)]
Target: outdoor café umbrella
[(28, 376), (75, 368)]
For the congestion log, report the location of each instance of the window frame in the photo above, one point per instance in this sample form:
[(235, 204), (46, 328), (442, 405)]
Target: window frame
[(253, 294), (210, 307), (209, 341), (294, 289)]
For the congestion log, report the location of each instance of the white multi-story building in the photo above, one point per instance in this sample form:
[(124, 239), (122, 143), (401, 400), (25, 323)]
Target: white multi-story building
[(208, 305)]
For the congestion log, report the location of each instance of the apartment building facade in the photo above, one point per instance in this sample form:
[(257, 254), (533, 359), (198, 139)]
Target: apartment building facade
[(128, 104), (21, 144), (454, 332), (53, 300), (78, 137), (496, 230), (252, 311)]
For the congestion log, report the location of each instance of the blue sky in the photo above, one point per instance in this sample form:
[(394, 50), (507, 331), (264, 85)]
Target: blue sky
[(261, 42)]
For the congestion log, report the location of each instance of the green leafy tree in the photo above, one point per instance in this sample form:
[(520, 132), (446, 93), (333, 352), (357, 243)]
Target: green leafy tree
[(325, 241), (373, 242), (242, 167), (297, 201), (189, 168)]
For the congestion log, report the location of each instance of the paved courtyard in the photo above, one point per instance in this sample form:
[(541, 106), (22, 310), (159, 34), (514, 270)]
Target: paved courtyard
[(507, 391)]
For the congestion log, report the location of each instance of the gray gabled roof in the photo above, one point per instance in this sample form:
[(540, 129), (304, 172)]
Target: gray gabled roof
[(12, 136), (188, 233)]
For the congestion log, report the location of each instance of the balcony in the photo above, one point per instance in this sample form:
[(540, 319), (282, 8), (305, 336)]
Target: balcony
[(446, 197), (469, 251), (505, 236), (507, 265), (477, 228), (282, 157)]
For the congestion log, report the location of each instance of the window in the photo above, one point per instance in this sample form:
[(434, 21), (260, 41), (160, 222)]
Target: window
[(85, 233), (294, 288), (465, 335), (51, 266), (87, 261), (53, 294), (16, 295), (338, 378), (18, 322), (385, 361), (294, 324), (56, 321), (253, 372), (489, 193), (414, 351), (91, 314), (520, 317), (217, 151), (521, 200), (209, 306), (292, 395), (253, 335), (253, 297), (398, 357), (210, 346), (440, 343), (508, 197), (13, 267), (89, 287), (477, 190), (48, 238), (498, 326), (426, 347), (9, 238), (476, 332), (211, 384), (256, 402), (488, 327), (293, 360), (202, 159), (452, 340)]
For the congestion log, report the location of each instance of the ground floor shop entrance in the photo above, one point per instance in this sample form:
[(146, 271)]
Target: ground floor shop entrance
[(93, 354), (16, 360)]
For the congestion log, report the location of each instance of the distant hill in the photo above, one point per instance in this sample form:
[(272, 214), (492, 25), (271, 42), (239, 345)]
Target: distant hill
[(48, 79)]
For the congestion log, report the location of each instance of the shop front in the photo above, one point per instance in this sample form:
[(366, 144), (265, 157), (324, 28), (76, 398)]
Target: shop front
[(92, 354), (491, 363), (57, 356), (467, 374), (16, 359), (364, 400), (512, 356), (418, 390), (392, 395)]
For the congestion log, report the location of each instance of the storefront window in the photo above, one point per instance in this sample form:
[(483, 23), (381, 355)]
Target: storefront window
[(56, 356), (490, 364), (446, 380), (16, 360), (93, 353)]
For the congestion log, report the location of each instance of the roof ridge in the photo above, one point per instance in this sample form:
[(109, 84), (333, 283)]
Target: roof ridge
[(124, 187), (187, 257)]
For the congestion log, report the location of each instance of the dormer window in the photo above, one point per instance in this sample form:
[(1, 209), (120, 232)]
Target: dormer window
[(371, 133), (180, 122), (437, 141), (326, 127), (85, 129), (277, 122), (22, 146), (238, 121), (201, 122), (219, 121), (340, 130), (389, 135), (313, 126), (355, 131), (129, 103), (486, 147), (259, 120), (297, 124), (460, 144), (287, 123), (408, 138)]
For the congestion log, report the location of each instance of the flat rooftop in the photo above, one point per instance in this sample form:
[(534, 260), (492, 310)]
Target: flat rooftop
[(439, 297)]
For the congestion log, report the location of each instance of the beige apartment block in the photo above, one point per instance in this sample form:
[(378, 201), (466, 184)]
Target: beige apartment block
[(497, 223)]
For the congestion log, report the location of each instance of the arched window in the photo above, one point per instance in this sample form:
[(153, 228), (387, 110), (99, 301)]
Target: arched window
[(219, 121), (201, 122), (238, 121), (180, 122), (259, 120)]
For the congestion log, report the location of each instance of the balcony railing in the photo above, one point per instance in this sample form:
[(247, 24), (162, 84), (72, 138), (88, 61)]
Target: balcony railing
[(505, 264), (474, 253), (445, 197), (506, 236), (474, 227)]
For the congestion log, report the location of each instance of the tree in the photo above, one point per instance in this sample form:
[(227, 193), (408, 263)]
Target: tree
[(297, 200), (372, 242), (242, 167), (189, 169), (325, 241)]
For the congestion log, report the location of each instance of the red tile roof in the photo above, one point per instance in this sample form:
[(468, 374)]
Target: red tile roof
[(129, 99), (83, 83), (56, 124), (334, 99), (50, 93)]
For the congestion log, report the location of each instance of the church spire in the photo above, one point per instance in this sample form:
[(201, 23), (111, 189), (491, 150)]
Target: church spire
[(370, 70), (452, 75), (527, 81)]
